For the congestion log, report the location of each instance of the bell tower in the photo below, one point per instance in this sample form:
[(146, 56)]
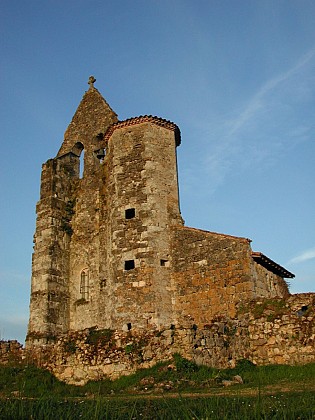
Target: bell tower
[(67, 219), (102, 246)]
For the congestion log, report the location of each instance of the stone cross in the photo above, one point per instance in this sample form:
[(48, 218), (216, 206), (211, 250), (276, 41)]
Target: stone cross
[(91, 81)]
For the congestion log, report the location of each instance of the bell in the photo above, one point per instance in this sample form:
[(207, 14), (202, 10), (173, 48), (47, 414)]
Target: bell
[(100, 154)]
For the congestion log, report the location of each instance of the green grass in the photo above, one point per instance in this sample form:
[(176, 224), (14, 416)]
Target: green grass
[(178, 389), (32, 382), (276, 406)]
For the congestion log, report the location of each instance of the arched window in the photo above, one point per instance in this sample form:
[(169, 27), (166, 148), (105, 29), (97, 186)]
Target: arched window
[(84, 284), (78, 150), (81, 164)]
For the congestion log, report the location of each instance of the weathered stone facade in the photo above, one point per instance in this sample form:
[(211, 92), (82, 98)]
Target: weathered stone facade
[(265, 331), (111, 250), (274, 331)]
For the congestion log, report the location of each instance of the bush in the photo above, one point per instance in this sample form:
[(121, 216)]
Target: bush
[(99, 337), (184, 365)]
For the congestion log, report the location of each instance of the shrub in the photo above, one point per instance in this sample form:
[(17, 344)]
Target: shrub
[(99, 337), (184, 365)]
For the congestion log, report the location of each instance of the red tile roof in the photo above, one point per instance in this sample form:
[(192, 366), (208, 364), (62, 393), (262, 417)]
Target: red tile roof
[(142, 119)]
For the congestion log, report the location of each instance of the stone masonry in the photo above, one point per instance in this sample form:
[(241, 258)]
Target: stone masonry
[(264, 331)]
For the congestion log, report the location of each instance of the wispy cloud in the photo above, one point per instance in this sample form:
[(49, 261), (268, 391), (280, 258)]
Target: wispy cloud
[(266, 118), (306, 255), (257, 101)]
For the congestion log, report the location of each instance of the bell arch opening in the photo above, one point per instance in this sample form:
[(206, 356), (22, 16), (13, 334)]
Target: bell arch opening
[(81, 164), (78, 150)]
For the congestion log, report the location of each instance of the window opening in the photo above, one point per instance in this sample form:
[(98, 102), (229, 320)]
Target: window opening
[(164, 263), (81, 171), (129, 264), (100, 154), (84, 285), (302, 311), (102, 284), (130, 213), (129, 326)]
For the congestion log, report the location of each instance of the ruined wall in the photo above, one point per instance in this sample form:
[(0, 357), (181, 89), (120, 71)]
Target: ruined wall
[(267, 331), (11, 351), (66, 237), (49, 307)]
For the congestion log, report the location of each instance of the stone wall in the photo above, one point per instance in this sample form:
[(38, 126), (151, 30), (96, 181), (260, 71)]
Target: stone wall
[(139, 177), (213, 273), (10, 351), (66, 238), (49, 308), (267, 331), (267, 283)]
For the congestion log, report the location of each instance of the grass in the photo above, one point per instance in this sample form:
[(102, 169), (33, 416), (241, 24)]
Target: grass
[(276, 406), (176, 390)]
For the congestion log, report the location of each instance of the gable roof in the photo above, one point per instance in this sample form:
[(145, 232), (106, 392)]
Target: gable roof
[(92, 117)]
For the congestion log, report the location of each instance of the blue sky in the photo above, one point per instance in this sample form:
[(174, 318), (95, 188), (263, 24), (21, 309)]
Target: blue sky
[(237, 77)]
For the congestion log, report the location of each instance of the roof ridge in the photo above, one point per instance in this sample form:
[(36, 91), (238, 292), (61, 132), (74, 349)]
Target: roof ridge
[(215, 233)]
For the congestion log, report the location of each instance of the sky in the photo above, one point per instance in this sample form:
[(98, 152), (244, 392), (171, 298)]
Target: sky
[(237, 77)]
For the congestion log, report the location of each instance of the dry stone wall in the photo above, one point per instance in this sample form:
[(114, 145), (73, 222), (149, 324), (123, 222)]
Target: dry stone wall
[(10, 351), (266, 331), (269, 331)]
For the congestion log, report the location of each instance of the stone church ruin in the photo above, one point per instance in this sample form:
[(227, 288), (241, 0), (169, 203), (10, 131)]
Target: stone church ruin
[(111, 252)]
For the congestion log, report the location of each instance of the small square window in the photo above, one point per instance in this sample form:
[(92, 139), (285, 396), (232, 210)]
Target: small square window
[(102, 284), (129, 264), (164, 263), (130, 213)]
